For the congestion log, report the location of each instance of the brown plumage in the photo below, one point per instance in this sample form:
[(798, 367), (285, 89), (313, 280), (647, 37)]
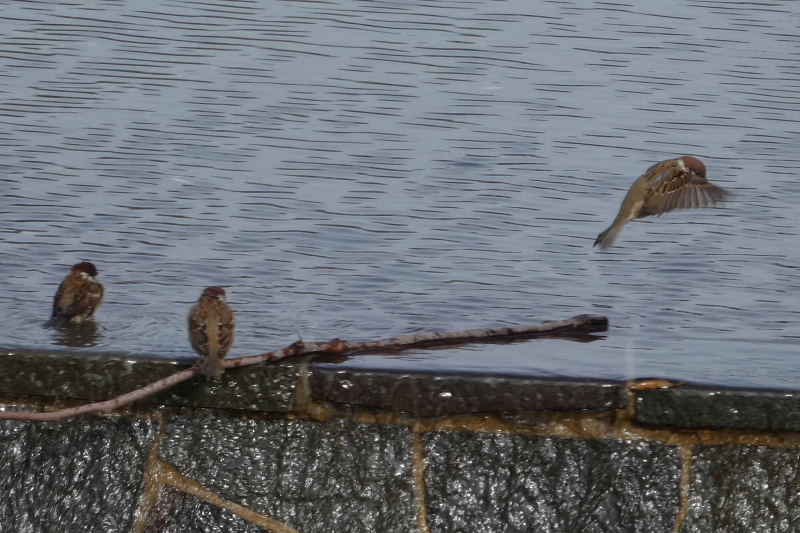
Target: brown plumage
[(78, 295), (211, 326), (673, 184)]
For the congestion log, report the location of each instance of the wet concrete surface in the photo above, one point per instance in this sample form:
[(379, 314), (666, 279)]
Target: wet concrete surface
[(84, 474), (340, 476), (501, 482), (709, 407), (744, 488), (94, 377), (178, 512), (314, 464), (436, 395)]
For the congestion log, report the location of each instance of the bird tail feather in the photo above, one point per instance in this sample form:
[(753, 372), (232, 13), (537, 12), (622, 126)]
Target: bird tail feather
[(211, 367)]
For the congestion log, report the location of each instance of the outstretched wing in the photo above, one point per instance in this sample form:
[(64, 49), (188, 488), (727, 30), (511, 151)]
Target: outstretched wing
[(679, 189)]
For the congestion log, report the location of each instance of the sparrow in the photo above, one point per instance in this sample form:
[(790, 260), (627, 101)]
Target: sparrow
[(78, 295), (673, 184), (211, 326)]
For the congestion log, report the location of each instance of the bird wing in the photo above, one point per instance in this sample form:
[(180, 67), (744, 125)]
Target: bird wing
[(678, 189), (197, 330), (211, 328), (60, 302), (80, 297), (226, 328)]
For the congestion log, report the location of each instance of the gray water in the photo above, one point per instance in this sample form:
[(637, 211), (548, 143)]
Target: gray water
[(362, 169)]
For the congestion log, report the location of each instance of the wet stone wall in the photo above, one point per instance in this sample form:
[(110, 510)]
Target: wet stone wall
[(295, 447)]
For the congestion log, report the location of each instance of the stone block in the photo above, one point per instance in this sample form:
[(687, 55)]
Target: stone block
[(709, 407), (741, 489), (178, 512), (84, 474), (315, 477), (490, 482), (267, 387), (436, 395)]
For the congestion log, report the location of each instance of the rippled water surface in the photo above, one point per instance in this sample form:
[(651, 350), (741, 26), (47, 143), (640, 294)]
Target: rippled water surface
[(363, 169)]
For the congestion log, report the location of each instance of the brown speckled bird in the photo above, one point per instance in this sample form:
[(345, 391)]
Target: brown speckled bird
[(673, 184), (78, 295), (211, 325)]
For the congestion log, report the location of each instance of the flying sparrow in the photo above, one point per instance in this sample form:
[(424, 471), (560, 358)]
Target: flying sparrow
[(673, 184), (78, 295), (211, 331)]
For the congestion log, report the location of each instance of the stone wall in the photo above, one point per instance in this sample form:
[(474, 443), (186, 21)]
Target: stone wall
[(302, 446)]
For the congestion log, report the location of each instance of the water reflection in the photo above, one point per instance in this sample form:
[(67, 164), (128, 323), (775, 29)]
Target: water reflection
[(83, 335), (363, 172)]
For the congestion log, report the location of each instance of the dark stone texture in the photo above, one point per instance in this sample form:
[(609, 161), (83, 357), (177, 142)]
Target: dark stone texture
[(704, 407), (742, 489), (178, 512), (67, 375), (436, 395), (316, 477), (267, 387), (80, 475), (489, 482)]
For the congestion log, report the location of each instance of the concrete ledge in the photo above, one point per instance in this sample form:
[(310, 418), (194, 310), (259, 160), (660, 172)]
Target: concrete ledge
[(94, 377), (709, 407), (309, 447), (427, 394)]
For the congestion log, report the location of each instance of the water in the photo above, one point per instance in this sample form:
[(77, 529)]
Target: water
[(367, 169)]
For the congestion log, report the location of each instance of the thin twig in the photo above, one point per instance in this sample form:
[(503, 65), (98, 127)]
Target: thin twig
[(576, 324)]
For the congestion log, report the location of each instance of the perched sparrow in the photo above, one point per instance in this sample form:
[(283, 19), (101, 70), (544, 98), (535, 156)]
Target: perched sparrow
[(673, 184), (78, 295), (211, 331)]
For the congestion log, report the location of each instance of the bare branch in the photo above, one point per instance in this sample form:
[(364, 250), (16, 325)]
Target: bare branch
[(105, 406), (574, 325)]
